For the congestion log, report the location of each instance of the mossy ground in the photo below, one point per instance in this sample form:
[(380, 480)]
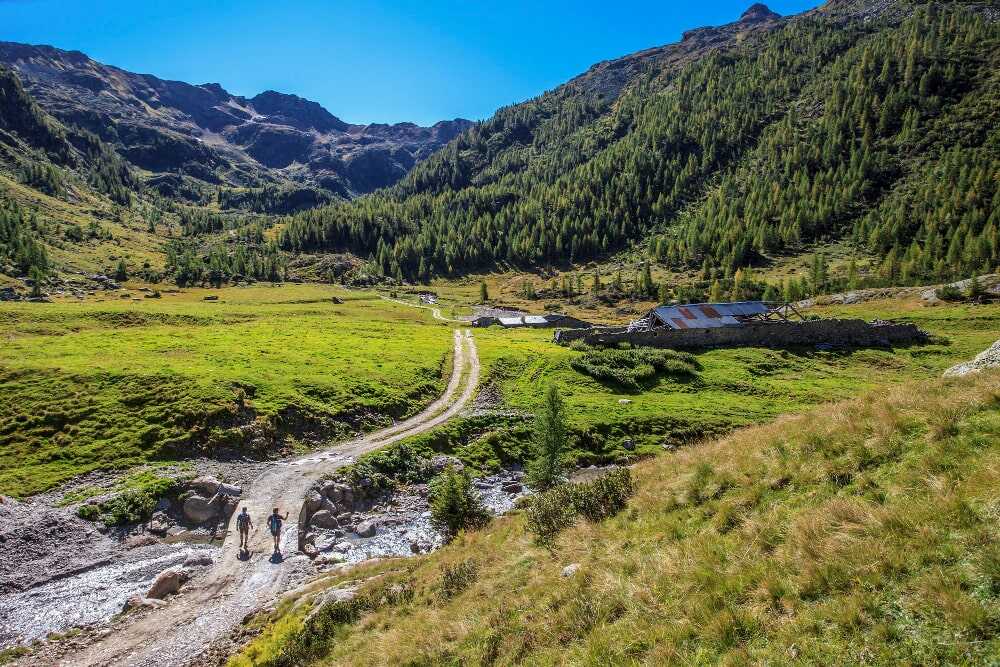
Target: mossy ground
[(862, 532), (116, 383)]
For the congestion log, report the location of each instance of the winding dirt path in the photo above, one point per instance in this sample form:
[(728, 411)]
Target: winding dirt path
[(435, 312), (216, 602)]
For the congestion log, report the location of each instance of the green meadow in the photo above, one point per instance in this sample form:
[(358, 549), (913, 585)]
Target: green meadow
[(120, 382), (117, 383), (734, 387)]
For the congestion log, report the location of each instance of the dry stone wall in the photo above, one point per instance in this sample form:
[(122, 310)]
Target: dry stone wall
[(841, 333)]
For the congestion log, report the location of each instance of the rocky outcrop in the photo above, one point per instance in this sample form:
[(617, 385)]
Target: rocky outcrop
[(987, 359), (167, 583), (210, 136)]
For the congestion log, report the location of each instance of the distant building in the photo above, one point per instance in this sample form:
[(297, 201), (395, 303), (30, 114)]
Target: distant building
[(712, 315), (546, 321)]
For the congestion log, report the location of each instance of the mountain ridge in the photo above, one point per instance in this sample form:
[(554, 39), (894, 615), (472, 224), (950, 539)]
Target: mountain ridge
[(216, 138)]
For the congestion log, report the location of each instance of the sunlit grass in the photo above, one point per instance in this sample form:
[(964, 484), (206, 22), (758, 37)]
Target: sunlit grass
[(857, 533)]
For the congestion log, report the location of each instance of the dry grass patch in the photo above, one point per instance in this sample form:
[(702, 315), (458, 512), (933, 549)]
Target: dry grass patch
[(860, 533)]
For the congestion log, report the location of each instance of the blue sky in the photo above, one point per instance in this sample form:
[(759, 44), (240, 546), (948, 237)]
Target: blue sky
[(367, 61)]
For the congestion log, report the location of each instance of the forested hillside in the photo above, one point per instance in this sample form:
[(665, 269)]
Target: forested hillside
[(871, 122)]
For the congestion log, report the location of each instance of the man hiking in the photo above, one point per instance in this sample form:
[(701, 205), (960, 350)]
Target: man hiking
[(274, 525), (244, 524)]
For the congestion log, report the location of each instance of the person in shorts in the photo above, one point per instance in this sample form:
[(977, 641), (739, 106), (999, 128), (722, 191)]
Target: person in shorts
[(274, 525), (244, 524)]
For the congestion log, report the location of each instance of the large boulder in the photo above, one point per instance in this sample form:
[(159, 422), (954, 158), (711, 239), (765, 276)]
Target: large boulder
[(324, 519), (198, 509), (230, 490), (166, 583), (209, 486), (314, 502), (366, 529), (206, 485), (337, 492), (198, 559)]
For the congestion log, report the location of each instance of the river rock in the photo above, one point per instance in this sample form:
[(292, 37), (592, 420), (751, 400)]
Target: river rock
[(230, 490), (512, 487), (206, 485), (197, 558), (167, 582), (198, 509), (570, 569), (329, 558), (366, 529), (314, 502), (137, 601), (324, 519)]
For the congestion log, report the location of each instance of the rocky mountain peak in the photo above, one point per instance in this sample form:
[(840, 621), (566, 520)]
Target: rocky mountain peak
[(758, 12), (296, 111)]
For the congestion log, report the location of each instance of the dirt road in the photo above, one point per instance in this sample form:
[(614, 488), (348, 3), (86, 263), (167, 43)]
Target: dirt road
[(214, 603), (435, 311)]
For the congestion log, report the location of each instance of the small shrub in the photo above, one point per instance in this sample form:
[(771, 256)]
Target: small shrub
[(553, 511), (629, 369), (456, 578), (129, 507), (949, 293), (455, 506), (605, 496)]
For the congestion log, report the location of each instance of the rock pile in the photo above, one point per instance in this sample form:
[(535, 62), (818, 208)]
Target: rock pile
[(989, 358), (340, 523)]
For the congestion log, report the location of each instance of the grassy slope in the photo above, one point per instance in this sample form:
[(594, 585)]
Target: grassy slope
[(115, 383), (863, 532), (130, 238), (736, 387)]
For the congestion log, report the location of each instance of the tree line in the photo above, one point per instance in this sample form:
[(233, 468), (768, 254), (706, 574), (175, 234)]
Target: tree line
[(811, 132)]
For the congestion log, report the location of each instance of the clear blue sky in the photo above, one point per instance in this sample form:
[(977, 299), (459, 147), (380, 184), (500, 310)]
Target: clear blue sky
[(368, 60)]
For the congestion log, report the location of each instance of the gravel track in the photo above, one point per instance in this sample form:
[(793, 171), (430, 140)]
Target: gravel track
[(214, 603)]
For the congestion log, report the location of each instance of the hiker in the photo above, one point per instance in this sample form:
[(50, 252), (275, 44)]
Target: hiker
[(274, 525), (244, 524)]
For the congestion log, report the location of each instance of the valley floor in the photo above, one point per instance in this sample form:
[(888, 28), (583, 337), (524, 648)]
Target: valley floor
[(133, 388)]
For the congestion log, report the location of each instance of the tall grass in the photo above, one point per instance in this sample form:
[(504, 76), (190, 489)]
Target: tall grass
[(630, 369), (863, 532)]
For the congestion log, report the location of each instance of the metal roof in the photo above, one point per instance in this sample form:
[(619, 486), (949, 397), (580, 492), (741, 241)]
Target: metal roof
[(510, 321), (708, 315), (535, 319)]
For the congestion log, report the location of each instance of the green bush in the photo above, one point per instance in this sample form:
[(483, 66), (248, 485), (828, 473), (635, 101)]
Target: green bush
[(454, 504), (133, 504), (631, 368), (553, 511), (129, 507), (456, 578), (949, 293)]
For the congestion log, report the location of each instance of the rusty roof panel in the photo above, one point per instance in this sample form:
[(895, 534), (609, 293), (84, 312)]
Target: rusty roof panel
[(708, 315)]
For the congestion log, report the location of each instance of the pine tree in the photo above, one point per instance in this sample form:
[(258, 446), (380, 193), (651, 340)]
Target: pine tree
[(715, 292), (547, 469), (455, 505)]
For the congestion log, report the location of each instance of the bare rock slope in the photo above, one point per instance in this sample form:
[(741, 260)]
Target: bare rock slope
[(207, 134)]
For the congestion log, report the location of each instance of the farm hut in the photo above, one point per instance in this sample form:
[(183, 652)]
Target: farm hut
[(485, 321), (712, 315)]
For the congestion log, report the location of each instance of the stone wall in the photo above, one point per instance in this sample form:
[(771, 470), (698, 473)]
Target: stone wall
[(847, 333)]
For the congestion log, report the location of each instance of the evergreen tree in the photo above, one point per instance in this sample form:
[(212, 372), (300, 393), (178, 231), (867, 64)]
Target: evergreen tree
[(547, 469), (455, 505)]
